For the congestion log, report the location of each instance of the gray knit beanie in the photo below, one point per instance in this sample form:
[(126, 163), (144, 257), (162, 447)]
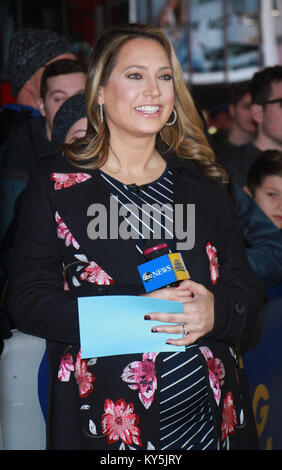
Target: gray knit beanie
[(71, 111), (29, 50)]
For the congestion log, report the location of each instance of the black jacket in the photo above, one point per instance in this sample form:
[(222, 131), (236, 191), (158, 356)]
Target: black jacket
[(40, 306)]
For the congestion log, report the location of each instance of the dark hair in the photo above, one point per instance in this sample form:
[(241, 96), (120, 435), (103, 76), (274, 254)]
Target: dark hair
[(221, 108), (59, 67), (239, 91), (268, 164), (262, 81)]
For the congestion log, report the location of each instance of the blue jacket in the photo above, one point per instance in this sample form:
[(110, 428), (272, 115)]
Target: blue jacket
[(263, 239)]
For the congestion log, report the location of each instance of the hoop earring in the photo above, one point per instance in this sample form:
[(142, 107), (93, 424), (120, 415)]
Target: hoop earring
[(101, 112), (174, 119)]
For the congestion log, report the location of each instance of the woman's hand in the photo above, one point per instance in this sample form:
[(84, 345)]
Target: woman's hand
[(197, 316)]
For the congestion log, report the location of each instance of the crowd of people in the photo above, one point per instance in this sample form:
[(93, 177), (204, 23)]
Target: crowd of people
[(128, 129), (255, 107)]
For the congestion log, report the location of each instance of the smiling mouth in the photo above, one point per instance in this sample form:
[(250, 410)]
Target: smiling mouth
[(148, 109)]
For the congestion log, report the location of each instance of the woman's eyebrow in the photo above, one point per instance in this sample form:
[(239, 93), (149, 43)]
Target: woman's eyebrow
[(143, 67)]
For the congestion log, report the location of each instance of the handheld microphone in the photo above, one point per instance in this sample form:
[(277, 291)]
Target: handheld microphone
[(162, 268)]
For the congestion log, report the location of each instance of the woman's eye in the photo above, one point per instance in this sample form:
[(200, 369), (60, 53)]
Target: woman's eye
[(167, 76), (135, 76), (272, 195)]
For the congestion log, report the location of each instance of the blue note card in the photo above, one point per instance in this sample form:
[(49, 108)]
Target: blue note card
[(113, 325)]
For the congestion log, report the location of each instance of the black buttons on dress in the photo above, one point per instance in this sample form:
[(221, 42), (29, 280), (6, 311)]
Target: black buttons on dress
[(240, 308), (102, 290)]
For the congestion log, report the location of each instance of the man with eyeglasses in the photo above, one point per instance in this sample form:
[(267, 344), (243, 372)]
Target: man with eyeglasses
[(266, 110)]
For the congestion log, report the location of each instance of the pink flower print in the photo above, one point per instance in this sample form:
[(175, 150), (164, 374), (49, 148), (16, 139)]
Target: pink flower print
[(140, 375), (83, 377), (66, 286), (212, 255), (216, 372), (66, 367), (64, 233), (65, 180), (229, 418), (95, 275), (119, 422)]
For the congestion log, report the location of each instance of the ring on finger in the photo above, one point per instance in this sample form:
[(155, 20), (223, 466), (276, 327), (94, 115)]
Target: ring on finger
[(185, 332)]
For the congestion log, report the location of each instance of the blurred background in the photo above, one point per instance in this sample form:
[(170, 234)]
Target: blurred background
[(218, 42)]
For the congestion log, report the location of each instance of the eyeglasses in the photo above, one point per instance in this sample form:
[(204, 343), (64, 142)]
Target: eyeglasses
[(277, 100)]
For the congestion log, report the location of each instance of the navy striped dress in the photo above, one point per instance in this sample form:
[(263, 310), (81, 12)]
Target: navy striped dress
[(185, 414)]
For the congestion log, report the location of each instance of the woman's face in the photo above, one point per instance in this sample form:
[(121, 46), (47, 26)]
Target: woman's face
[(139, 96)]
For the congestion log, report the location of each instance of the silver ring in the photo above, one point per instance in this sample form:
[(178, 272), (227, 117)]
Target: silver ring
[(185, 332)]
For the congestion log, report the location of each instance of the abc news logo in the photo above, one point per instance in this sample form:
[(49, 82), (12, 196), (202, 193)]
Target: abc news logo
[(159, 272), (147, 277)]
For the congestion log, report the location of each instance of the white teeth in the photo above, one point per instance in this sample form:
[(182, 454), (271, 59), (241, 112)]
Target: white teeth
[(148, 109)]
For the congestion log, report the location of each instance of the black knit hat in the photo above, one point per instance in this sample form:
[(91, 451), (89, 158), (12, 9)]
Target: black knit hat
[(71, 111), (29, 50)]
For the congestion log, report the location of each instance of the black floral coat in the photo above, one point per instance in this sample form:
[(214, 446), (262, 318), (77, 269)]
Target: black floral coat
[(112, 402)]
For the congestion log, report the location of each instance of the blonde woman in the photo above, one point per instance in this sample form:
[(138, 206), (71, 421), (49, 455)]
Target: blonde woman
[(145, 144)]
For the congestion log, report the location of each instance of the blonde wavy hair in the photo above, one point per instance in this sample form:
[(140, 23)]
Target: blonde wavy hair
[(186, 137)]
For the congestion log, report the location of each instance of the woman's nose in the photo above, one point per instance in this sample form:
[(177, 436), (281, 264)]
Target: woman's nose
[(152, 87)]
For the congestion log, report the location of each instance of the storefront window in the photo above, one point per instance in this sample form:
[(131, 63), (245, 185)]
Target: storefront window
[(172, 17), (206, 37), (215, 40), (277, 21), (243, 34)]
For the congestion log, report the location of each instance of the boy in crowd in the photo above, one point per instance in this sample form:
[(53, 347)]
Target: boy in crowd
[(259, 207), (264, 184), (70, 121)]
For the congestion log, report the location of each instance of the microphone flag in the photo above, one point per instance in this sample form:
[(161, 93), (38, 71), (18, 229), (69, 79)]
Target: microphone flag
[(163, 271)]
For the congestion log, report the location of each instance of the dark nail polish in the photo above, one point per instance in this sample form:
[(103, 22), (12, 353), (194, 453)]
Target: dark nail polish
[(154, 330), (147, 317)]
